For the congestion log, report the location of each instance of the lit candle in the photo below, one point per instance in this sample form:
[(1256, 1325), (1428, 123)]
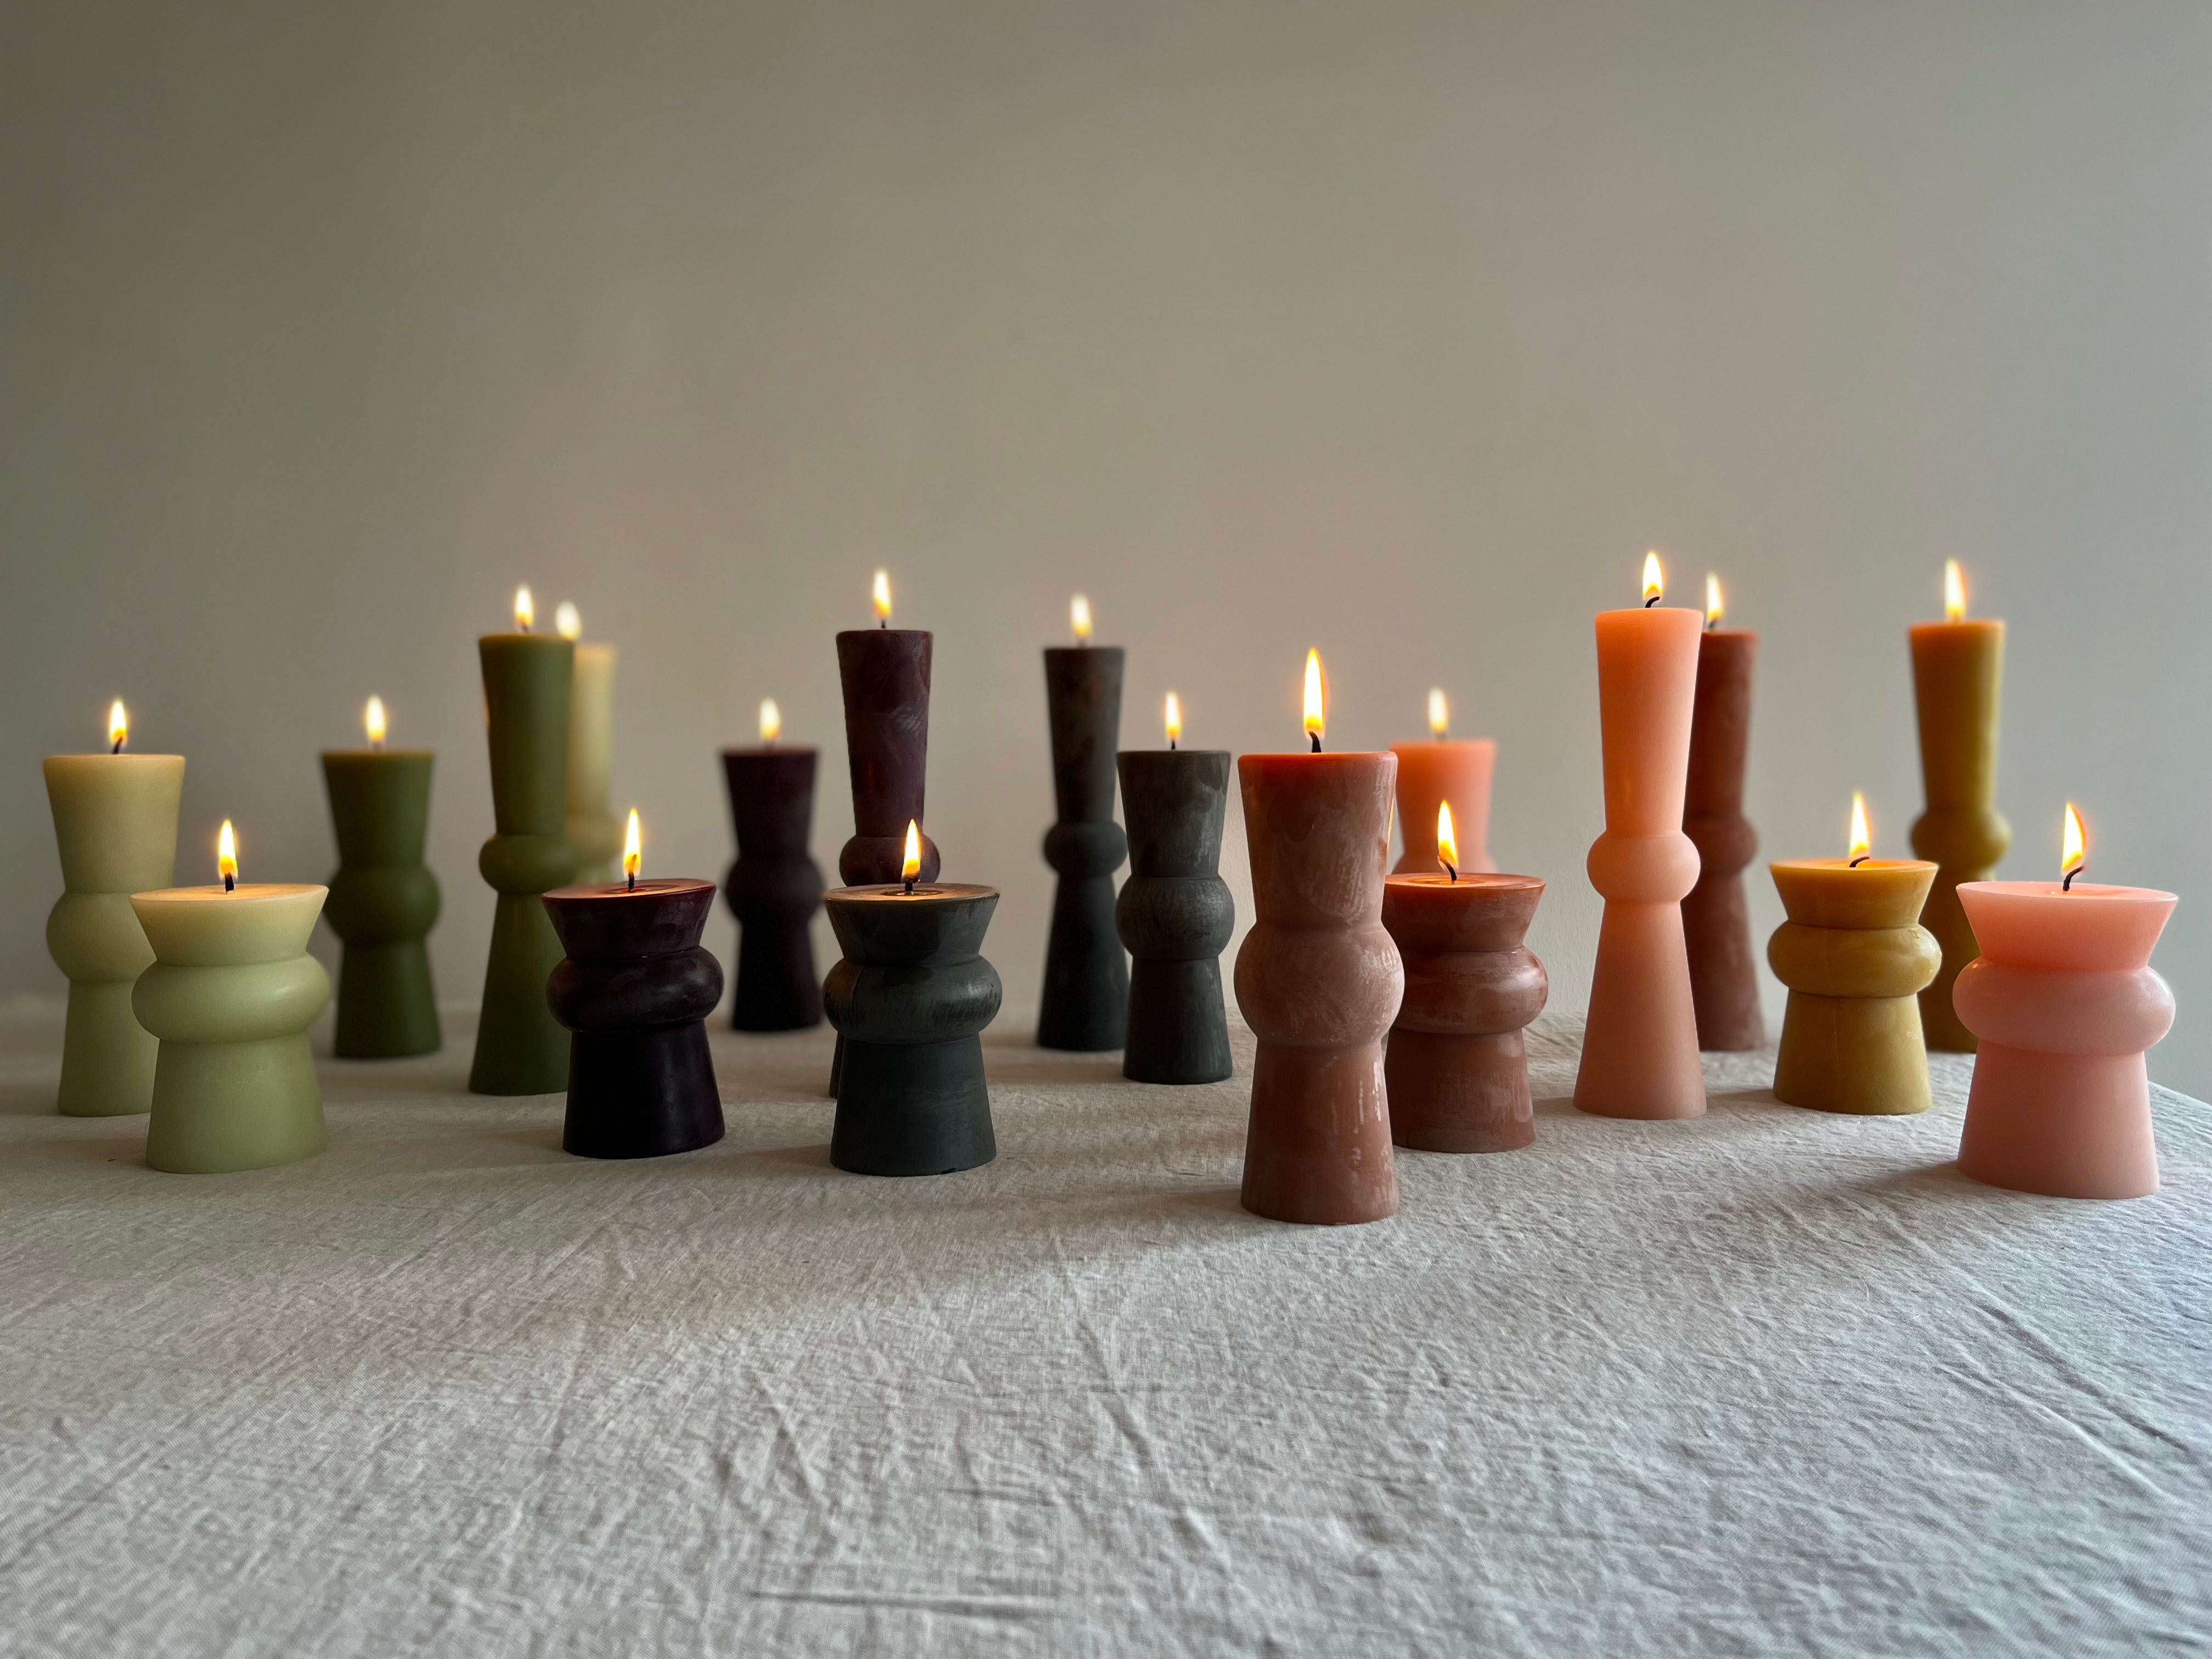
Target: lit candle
[(1445, 769), (115, 826), (2064, 1002), (589, 823), (383, 899), (1716, 917), (1083, 1007), (774, 889)]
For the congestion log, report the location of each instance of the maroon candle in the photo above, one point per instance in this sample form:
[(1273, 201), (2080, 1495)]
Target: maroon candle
[(774, 889), (885, 675), (1716, 922)]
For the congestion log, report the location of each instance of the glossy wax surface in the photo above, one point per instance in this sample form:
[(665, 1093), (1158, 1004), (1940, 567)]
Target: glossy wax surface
[(1457, 769)]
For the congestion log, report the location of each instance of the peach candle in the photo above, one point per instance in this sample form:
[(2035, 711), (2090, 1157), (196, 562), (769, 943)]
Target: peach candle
[(1445, 769)]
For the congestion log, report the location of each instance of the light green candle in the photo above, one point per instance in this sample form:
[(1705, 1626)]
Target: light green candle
[(591, 830), (115, 825)]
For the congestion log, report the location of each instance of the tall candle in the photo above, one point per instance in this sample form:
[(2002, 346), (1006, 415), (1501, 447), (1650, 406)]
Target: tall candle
[(521, 1049), (383, 899), (1640, 1043), (115, 826), (1444, 769), (884, 674), (1957, 671), (1084, 1004), (1715, 918), (590, 823), (774, 889)]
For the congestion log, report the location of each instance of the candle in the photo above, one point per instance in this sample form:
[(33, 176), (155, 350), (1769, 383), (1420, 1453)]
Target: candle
[(2064, 1001), (774, 889), (884, 674), (382, 900), (1715, 918), (910, 999), (1855, 959), (1445, 769), (1084, 1005), (1318, 979), (1176, 914), (230, 995), (1456, 1065), (1640, 1042), (1958, 669), (115, 826), (521, 1049), (589, 824), (635, 989)]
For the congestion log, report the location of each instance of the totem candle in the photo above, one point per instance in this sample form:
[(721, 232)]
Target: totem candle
[(1715, 920), (382, 900), (115, 826), (231, 994), (1176, 913), (1444, 769), (1640, 1043), (1855, 960), (910, 999), (521, 1049), (774, 889), (1958, 669), (1318, 979), (1456, 1067), (2064, 1001), (1085, 1006), (635, 989), (590, 824), (884, 673)]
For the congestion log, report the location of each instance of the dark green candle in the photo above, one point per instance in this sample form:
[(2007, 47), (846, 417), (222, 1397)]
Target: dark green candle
[(521, 1049), (382, 900)]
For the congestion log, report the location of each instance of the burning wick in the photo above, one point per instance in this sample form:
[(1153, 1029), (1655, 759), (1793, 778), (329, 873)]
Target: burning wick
[(226, 857), (910, 865), (882, 598), (633, 853), (1861, 837), (118, 726), (1315, 707), (1447, 841), (2074, 854), (1655, 578)]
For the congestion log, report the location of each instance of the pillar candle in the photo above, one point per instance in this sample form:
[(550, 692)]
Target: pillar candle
[(635, 989), (884, 673), (1855, 960), (1176, 914), (1447, 769), (383, 901), (115, 826), (1084, 1004), (1958, 671), (231, 994), (1456, 1065), (590, 825), (774, 889), (1715, 918), (1640, 1044), (521, 1049)]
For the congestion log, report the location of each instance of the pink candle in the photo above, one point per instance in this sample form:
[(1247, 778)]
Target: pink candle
[(1640, 1044)]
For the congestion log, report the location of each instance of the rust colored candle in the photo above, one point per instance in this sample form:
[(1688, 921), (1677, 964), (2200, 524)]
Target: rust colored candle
[(1716, 917), (1319, 980), (1445, 769)]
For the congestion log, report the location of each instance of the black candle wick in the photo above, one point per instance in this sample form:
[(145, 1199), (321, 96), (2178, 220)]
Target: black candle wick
[(1653, 600), (1860, 859), (229, 881), (633, 881), (910, 886), (1171, 744), (1711, 622), (2067, 886), (118, 747), (1316, 736), (1451, 870)]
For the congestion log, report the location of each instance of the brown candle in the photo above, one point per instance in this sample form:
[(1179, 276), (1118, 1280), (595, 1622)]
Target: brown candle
[(1715, 920)]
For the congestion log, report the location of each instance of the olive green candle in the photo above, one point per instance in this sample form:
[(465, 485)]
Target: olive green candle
[(115, 825), (521, 1049), (382, 901)]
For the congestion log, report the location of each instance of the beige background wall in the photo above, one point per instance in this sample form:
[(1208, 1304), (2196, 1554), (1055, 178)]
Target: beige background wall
[(1399, 330)]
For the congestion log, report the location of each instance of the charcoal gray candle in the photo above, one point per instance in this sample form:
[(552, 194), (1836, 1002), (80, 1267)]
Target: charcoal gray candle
[(1085, 1002)]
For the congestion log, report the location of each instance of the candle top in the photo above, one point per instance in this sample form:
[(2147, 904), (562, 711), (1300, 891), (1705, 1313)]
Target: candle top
[(2081, 890), (896, 889), (646, 888), (1469, 880), (245, 893)]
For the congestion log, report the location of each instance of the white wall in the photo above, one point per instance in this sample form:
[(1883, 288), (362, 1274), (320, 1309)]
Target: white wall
[(1400, 329)]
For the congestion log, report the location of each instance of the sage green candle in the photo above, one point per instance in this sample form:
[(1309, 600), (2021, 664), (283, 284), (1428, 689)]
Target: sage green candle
[(592, 828), (115, 825), (382, 902), (230, 995), (521, 1049)]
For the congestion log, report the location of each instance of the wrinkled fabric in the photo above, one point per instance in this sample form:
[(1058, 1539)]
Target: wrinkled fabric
[(1770, 1382)]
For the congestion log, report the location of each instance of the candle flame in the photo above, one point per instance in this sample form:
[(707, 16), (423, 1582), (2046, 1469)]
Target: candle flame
[(1439, 712), (1446, 842), (910, 865), (567, 620), (373, 719), (1861, 837), (1079, 617), (1316, 706), (526, 611), (1714, 606), (633, 850), (1954, 591), (2074, 845), (118, 726), (882, 595), (771, 721), (1174, 719), (226, 854), (1654, 578)]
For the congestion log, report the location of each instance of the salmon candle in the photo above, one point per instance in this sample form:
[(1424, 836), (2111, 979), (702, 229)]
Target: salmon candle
[(383, 899), (1715, 920), (1444, 769)]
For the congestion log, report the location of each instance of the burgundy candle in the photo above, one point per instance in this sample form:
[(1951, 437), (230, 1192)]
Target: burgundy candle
[(1716, 922), (774, 889), (884, 672)]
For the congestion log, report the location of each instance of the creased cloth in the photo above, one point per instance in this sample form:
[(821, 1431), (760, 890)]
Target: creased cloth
[(1771, 1382)]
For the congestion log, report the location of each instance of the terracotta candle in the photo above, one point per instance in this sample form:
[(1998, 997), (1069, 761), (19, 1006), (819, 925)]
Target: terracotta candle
[(774, 889), (635, 989), (1958, 671), (1716, 919), (521, 1049), (1640, 1043), (1855, 960), (382, 901), (590, 823), (231, 994), (1176, 913), (1318, 980), (1444, 769), (2064, 1001), (1084, 1005), (115, 826), (910, 999)]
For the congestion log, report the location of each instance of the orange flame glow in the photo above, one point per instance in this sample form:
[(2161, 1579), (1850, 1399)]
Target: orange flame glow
[(567, 620), (526, 611), (1655, 577), (1439, 713), (1861, 837), (910, 865), (1954, 591), (1447, 844), (226, 854), (771, 721), (1174, 719), (633, 849), (1316, 704), (2074, 845), (1715, 608), (372, 722), (118, 727), (882, 594), (1079, 617)]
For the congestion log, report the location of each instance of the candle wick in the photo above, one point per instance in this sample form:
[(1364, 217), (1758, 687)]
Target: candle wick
[(1653, 600), (1171, 744), (118, 747), (2067, 886), (882, 622), (1450, 869), (1860, 859), (229, 881), (1316, 736), (910, 886), (633, 881), (1711, 622)]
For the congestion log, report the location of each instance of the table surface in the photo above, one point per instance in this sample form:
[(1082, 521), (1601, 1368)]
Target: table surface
[(1767, 1381)]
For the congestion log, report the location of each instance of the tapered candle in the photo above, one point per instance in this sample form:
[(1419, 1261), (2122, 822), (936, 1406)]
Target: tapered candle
[(383, 901), (1444, 769), (590, 823), (1084, 1003), (1715, 918)]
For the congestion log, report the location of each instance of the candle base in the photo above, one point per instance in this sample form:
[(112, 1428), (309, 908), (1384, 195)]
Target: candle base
[(912, 1108), (1860, 1056), (1855, 960), (1459, 1094), (107, 1057), (224, 1106), (387, 1007), (1084, 1005), (1178, 1032), (641, 1094), (2064, 1125), (521, 1049), (1723, 969), (1317, 1150), (1640, 1042)]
